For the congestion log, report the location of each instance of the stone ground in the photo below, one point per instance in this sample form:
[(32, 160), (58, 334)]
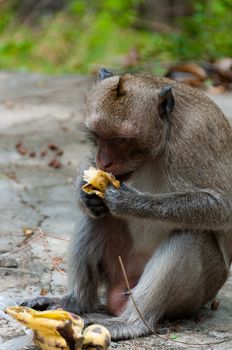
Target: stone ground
[(37, 205)]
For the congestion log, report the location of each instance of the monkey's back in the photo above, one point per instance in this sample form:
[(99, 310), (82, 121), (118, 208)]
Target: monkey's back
[(200, 142)]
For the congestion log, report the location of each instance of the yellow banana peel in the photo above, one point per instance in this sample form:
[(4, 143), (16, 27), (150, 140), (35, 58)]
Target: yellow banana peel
[(59, 329), (97, 181)]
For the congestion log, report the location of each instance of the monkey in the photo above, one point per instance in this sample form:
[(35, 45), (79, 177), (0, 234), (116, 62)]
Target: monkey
[(171, 219)]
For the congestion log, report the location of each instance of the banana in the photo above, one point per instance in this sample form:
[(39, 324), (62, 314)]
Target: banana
[(96, 337), (53, 329), (49, 342), (59, 329), (97, 181)]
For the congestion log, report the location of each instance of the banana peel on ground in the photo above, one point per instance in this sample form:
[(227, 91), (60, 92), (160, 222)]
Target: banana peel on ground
[(97, 181), (59, 329)]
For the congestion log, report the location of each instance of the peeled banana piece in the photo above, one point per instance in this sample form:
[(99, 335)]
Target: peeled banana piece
[(59, 329), (97, 181)]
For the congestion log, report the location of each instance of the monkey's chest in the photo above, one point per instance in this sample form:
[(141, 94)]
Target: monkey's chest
[(146, 235)]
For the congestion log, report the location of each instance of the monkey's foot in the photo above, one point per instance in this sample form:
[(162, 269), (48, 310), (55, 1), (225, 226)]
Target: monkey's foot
[(42, 303), (119, 328), (67, 302)]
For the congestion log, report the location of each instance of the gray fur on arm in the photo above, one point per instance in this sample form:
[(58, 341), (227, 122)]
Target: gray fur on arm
[(202, 209)]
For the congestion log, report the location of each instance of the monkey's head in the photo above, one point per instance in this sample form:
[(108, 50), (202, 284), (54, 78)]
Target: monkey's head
[(127, 120)]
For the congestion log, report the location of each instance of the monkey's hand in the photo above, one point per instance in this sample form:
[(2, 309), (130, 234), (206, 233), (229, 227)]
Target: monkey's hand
[(93, 204), (119, 201)]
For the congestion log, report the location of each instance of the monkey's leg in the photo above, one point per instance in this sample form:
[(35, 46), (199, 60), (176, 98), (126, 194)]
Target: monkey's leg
[(185, 272), (84, 253)]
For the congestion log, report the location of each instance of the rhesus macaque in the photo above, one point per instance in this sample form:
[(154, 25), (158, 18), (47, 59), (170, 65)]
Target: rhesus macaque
[(171, 219)]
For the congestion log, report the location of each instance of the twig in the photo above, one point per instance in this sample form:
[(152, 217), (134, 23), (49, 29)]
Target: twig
[(56, 237), (133, 300), (54, 263), (28, 241), (26, 244)]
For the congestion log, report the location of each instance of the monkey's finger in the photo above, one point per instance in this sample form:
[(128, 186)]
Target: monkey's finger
[(95, 201), (126, 188), (95, 204), (99, 211), (98, 207), (112, 189), (93, 198), (123, 186)]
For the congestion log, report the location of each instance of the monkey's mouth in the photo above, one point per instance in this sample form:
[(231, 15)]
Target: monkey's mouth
[(124, 177)]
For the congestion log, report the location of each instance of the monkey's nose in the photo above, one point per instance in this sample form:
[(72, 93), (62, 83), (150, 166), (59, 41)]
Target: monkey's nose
[(107, 165), (104, 165)]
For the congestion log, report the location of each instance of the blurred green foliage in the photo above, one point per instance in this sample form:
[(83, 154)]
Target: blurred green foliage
[(89, 34), (206, 34)]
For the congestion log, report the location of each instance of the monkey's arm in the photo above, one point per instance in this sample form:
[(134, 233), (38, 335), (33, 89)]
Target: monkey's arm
[(203, 209)]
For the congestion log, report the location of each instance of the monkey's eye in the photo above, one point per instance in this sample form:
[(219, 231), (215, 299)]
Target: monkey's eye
[(118, 140)]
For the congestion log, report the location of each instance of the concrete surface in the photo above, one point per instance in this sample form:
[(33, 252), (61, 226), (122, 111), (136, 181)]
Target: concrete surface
[(37, 111)]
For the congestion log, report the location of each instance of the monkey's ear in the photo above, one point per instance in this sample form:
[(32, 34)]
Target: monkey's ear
[(104, 73), (166, 101)]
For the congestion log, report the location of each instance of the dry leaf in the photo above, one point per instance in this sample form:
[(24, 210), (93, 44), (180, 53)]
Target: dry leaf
[(43, 153), (21, 149), (53, 147), (43, 291), (59, 152), (54, 163), (215, 305), (192, 68), (32, 154), (28, 231), (57, 260)]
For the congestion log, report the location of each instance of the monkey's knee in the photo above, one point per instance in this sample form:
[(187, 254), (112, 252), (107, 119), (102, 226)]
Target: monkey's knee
[(118, 296), (117, 299), (187, 272), (198, 277)]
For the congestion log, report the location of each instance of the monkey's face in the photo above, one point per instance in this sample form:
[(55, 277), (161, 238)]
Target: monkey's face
[(124, 123), (118, 155)]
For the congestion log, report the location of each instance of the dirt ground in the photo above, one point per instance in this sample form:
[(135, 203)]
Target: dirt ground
[(38, 113)]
